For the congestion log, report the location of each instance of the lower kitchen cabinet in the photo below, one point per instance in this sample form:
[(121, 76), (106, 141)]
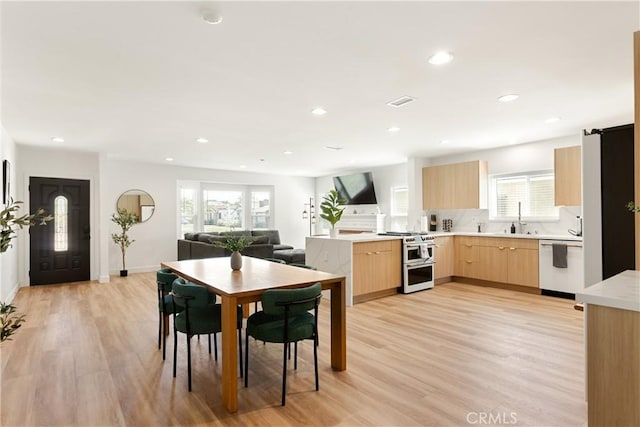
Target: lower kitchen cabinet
[(496, 259), (444, 256), (376, 267)]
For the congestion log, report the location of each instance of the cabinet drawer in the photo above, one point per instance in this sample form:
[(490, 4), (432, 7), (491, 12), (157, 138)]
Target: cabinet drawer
[(522, 243), (365, 247)]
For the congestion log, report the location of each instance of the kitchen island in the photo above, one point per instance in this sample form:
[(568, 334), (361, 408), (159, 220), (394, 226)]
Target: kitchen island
[(371, 263), (612, 331)]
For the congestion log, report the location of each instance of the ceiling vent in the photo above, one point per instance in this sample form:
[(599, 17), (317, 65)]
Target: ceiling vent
[(403, 100), (329, 147)]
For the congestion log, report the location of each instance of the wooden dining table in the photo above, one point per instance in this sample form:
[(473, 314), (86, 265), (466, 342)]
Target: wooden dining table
[(247, 285)]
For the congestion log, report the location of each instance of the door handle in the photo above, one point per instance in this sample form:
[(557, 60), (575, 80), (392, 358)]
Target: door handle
[(512, 249), (501, 248)]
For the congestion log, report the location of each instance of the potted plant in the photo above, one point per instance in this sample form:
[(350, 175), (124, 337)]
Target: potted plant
[(332, 209), (235, 244), (125, 220), (9, 223)]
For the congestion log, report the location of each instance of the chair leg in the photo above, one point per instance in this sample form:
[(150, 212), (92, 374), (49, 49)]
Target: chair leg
[(215, 345), (189, 360), (240, 349), (289, 349), (295, 355), (175, 350), (209, 335), (160, 319), (315, 360), (164, 339), (246, 360), (284, 374)]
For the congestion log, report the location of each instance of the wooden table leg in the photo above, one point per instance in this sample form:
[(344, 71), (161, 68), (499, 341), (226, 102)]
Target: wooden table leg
[(338, 327), (229, 353)]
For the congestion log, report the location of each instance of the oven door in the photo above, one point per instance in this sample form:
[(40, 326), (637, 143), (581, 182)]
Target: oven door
[(414, 252), (417, 277)]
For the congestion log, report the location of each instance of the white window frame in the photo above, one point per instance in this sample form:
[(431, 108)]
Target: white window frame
[(246, 190), (396, 211), (525, 217)]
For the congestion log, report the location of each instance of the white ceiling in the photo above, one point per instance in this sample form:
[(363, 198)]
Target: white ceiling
[(143, 80)]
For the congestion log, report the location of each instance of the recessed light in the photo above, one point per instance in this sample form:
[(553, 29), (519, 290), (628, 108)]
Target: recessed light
[(393, 129), (211, 17), (444, 141), (202, 140), (508, 98), (440, 58), (288, 152), (552, 120), (319, 111), (57, 139), (169, 159)]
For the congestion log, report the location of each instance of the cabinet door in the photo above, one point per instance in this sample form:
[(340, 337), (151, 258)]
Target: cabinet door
[(568, 169), (365, 274), (444, 257), (492, 263), (376, 266), (471, 185), (438, 187), (523, 267)]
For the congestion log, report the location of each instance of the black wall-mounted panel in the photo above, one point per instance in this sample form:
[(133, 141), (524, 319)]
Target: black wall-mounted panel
[(618, 227)]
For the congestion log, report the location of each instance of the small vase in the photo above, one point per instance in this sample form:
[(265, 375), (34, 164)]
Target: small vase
[(333, 233), (236, 260)]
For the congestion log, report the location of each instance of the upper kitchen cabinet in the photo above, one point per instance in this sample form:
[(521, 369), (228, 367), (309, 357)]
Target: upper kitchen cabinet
[(455, 186), (568, 169)]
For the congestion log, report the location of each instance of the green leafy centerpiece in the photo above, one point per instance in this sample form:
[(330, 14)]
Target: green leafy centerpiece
[(235, 244)]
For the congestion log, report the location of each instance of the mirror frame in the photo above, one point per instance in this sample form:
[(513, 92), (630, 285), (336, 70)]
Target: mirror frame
[(144, 215)]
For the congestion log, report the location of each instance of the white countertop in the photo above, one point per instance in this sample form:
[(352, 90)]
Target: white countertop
[(620, 291), (368, 237)]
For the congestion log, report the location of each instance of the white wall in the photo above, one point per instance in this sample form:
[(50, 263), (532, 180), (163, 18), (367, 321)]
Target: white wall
[(9, 260), (592, 201), (41, 162), (156, 239), (384, 178)]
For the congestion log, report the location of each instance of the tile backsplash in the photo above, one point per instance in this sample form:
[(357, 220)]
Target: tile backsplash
[(466, 220)]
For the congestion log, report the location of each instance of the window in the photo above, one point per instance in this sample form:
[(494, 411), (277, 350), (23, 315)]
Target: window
[(61, 216), (399, 201), (223, 207), (534, 190)]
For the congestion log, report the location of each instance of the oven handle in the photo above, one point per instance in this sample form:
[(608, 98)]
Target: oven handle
[(418, 265)]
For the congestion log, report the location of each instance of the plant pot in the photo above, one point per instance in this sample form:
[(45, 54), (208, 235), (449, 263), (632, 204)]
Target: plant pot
[(333, 233), (236, 261), (123, 273)]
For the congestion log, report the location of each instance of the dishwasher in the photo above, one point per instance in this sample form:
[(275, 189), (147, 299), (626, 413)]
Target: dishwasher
[(568, 280)]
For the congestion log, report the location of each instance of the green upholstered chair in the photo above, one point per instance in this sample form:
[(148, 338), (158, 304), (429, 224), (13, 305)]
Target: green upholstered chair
[(285, 318), (199, 316), (164, 279)]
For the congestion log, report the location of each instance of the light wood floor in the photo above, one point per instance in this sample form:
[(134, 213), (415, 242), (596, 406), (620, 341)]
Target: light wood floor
[(87, 356)]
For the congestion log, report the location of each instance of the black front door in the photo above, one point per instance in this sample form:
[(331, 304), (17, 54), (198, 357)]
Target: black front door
[(60, 250)]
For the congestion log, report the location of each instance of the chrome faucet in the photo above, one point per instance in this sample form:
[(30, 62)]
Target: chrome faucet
[(520, 223)]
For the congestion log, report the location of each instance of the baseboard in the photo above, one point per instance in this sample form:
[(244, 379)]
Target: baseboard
[(442, 280), (12, 294), (374, 295), (499, 285), (104, 279)]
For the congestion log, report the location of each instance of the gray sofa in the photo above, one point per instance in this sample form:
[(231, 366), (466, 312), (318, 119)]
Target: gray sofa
[(198, 245)]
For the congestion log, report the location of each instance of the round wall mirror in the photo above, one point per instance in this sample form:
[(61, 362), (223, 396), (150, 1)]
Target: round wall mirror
[(139, 202)]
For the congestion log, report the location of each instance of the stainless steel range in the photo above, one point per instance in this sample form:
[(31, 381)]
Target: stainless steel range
[(417, 261)]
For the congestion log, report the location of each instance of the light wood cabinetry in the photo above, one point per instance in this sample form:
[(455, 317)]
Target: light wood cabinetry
[(568, 180), (636, 139), (504, 260), (376, 266), (455, 186), (444, 256)]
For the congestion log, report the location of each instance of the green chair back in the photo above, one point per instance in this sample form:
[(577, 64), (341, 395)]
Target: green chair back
[(165, 279), (274, 301), (189, 293)]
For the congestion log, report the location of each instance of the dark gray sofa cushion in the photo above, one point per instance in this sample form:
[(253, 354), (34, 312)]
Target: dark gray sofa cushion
[(273, 235), (282, 247), (236, 233), (206, 237)]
